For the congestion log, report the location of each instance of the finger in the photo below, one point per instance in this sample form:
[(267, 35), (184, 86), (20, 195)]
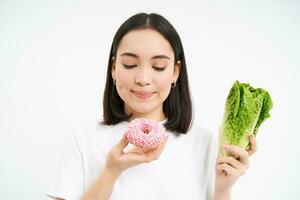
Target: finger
[(145, 157), (149, 152), (134, 158), (231, 161), (136, 150), (237, 151), (227, 168), (161, 146), (122, 143), (139, 155), (155, 153), (253, 145)]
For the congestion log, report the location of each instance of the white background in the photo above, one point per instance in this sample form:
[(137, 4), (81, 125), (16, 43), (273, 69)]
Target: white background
[(53, 60)]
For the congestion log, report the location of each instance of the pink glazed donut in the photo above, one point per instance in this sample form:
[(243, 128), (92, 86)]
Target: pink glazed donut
[(146, 133)]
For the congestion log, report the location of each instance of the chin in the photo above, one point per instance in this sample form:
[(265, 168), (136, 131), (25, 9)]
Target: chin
[(142, 108)]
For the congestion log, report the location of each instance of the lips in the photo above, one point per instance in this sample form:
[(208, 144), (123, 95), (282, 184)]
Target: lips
[(142, 94)]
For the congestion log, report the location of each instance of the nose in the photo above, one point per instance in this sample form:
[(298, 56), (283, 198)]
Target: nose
[(143, 77)]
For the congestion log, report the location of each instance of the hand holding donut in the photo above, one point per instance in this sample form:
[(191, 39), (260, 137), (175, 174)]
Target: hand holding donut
[(144, 151)]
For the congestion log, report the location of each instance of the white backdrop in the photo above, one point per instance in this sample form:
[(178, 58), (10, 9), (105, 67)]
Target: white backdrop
[(53, 59)]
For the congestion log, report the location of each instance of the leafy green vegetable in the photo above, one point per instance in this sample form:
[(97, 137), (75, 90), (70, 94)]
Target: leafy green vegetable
[(246, 109)]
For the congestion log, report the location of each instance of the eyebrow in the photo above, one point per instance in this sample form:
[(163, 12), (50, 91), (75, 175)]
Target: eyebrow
[(136, 56)]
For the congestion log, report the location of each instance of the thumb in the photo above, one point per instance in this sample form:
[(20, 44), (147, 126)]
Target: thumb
[(122, 143)]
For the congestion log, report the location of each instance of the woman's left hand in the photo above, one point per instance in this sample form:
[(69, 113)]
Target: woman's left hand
[(229, 168)]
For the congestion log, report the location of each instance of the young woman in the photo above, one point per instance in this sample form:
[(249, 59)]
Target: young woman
[(147, 78)]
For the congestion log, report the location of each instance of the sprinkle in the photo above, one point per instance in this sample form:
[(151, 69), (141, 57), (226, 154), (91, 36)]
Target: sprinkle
[(145, 133)]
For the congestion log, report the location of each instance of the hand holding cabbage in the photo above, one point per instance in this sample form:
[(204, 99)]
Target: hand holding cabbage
[(246, 109)]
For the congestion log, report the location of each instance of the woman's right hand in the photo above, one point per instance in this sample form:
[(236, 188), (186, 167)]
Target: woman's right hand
[(117, 160)]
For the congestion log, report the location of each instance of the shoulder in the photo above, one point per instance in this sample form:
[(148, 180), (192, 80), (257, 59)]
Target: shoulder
[(196, 137), (93, 133), (203, 137), (200, 132), (93, 127), (205, 141)]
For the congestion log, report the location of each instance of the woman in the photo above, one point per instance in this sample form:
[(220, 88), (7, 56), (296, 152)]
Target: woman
[(147, 78)]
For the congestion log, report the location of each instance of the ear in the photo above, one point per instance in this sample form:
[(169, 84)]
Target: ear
[(177, 68), (113, 67)]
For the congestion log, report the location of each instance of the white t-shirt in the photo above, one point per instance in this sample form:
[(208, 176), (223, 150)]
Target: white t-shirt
[(184, 170)]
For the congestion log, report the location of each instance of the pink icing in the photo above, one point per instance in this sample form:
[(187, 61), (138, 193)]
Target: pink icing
[(145, 133)]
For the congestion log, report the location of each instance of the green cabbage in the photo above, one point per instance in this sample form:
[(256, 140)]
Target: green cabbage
[(246, 109)]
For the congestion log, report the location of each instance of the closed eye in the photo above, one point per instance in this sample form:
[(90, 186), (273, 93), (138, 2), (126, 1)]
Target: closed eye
[(160, 69), (129, 66), (154, 67)]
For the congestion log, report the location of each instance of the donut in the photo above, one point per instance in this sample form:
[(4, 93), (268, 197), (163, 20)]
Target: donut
[(145, 133)]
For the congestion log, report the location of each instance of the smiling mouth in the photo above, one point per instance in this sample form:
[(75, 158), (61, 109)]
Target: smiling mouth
[(142, 95)]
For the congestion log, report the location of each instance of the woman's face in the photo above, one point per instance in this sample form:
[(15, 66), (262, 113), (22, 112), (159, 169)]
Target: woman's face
[(144, 71)]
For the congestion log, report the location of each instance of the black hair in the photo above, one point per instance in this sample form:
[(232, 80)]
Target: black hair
[(178, 105)]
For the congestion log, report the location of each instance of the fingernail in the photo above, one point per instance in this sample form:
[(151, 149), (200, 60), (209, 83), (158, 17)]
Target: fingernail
[(225, 146)]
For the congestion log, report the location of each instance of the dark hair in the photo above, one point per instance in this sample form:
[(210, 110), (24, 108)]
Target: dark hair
[(178, 105)]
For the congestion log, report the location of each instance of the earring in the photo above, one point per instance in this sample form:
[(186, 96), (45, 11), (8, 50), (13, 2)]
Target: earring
[(173, 84), (114, 81)]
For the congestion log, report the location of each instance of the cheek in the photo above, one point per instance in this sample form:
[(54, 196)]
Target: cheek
[(124, 79), (164, 85), (165, 80), (123, 83)]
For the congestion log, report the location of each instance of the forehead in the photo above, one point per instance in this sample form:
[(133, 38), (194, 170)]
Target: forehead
[(145, 43)]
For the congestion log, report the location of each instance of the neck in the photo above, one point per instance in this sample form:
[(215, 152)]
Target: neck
[(142, 115), (157, 116)]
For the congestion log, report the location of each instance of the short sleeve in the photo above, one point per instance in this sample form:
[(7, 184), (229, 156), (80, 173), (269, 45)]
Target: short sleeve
[(68, 182), (212, 149)]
